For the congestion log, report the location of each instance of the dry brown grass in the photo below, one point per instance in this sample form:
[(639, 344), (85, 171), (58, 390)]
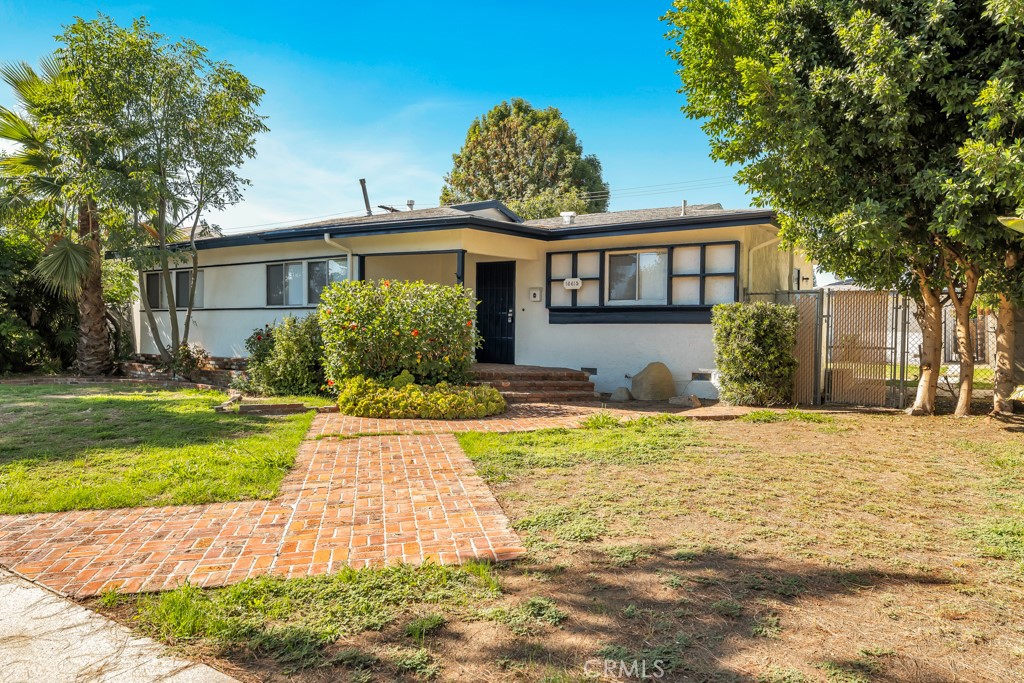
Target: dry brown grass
[(859, 548)]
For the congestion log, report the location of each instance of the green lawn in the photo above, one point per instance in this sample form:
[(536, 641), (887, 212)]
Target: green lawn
[(293, 622), (85, 447)]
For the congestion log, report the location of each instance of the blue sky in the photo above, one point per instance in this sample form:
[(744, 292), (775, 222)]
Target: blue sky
[(386, 91)]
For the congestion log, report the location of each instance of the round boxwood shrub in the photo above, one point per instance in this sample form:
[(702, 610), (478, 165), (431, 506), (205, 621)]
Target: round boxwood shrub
[(285, 359), (401, 398), (754, 346), (378, 329)]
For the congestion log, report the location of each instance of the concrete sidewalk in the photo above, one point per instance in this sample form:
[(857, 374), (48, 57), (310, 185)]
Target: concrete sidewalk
[(44, 637)]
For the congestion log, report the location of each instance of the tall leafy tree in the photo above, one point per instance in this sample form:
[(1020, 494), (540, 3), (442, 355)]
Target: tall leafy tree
[(995, 155), (177, 126), (47, 190), (849, 117), (530, 159)]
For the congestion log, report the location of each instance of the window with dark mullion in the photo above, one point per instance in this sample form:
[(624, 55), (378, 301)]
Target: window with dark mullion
[(284, 284), (154, 290), (275, 285), (182, 287)]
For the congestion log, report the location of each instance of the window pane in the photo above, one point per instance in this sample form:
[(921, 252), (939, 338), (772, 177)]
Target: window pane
[(720, 258), (199, 301), (560, 296), (275, 285), (686, 291), (687, 260), (181, 288), (719, 290), (587, 295), (588, 264), (561, 266), (622, 277), (317, 280), (153, 290), (293, 285), (653, 274), (338, 270)]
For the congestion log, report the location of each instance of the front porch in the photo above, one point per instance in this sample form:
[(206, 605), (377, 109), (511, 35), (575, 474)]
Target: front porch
[(535, 384)]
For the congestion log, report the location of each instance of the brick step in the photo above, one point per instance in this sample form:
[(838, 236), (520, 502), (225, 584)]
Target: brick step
[(539, 385), (554, 374), (548, 396)]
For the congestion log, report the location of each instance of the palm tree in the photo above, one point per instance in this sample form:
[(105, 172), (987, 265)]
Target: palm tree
[(35, 180)]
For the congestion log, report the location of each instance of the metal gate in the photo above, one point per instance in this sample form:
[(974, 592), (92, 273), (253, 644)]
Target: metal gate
[(851, 346), (863, 360), (862, 347)]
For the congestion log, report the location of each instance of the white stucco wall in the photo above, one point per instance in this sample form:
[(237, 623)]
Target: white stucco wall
[(235, 296), (614, 350)]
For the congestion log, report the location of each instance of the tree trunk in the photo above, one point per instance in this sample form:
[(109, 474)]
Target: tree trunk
[(93, 343), (154, 329), (1006, 339), (962, 304), (191, 290), (929, 318)]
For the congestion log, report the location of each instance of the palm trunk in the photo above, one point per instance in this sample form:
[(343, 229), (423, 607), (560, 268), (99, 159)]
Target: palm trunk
[(1006, 339), (93, 342), (962, 304), (929, 318)]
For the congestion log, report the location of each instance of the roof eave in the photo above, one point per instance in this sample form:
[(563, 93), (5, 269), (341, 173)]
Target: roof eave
[(342, 230), (667, 225)]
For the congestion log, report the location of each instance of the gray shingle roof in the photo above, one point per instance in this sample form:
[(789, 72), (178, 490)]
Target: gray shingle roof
[(640, 216), (397, 217)]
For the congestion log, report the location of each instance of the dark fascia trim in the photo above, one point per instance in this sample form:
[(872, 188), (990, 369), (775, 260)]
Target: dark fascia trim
[(635, 315), (490, 204), (486, 225), (679, 223)]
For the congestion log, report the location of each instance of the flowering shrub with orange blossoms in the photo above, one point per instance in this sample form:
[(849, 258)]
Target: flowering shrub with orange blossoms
[(378, 328)]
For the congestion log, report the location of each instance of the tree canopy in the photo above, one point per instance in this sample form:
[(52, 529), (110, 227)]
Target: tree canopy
[(528, 158), (852, 121), (135, 137)]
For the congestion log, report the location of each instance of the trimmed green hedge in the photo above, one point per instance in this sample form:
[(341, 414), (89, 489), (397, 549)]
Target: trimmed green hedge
[(754, 346), (400, 398), (378, 329)]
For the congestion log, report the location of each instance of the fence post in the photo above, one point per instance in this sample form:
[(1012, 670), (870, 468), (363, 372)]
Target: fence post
[(904, 349)]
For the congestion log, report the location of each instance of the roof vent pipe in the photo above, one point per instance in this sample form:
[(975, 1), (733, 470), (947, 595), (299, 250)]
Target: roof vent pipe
[(366, 197), (410, 203), (568, 217), (684, 208)]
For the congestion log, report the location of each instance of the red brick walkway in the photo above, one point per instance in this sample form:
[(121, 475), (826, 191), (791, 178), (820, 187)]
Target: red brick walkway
[(355, 501), (391, 491)]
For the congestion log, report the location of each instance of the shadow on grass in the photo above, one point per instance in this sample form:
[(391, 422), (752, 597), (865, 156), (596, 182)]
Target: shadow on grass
[(63, 423), (1011, 423), (711, 606)]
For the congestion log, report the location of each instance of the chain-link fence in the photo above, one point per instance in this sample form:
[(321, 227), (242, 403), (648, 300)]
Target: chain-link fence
[(863, 347)]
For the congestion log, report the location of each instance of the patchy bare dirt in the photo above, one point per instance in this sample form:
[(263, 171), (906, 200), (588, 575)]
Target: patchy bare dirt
[(855, 549)]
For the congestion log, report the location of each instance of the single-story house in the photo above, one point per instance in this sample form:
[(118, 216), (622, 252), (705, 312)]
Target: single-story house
[(607, 292)]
